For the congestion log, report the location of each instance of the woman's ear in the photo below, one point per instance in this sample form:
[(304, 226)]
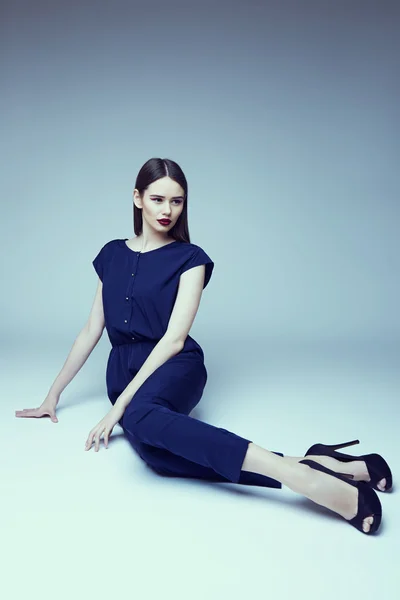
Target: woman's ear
[(136, 198)]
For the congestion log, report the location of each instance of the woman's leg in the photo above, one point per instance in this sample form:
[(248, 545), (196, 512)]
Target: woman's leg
[(150, 422), (319, 487), (228, 454), (166, 463)]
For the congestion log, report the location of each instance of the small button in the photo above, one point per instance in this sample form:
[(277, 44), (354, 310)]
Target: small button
[(127, 298), (133, 338), (126, 321), (133, 274)]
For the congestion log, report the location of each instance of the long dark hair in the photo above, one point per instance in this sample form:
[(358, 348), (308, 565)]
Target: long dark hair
[(153, 169)]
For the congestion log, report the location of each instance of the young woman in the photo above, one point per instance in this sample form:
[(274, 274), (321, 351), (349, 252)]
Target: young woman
[(148, 294)]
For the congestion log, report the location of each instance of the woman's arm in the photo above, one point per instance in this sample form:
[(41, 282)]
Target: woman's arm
[(79, 353), (83, 345), (162, 351)]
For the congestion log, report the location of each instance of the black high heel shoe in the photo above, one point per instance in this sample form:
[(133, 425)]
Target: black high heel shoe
[(368, 502), (376, 465)]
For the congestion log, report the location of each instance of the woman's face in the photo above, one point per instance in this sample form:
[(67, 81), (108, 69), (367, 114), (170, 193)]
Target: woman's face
[(163, 199)]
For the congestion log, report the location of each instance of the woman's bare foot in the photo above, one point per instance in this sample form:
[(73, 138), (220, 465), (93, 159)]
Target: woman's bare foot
[(357, 468), (324, 489), (332, 493)]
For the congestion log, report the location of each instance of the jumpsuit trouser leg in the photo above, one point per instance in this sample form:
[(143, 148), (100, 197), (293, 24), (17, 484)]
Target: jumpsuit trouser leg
[(175, 444)]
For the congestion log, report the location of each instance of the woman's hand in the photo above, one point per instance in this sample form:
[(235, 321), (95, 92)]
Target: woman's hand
[(48, 407), (106, 425)]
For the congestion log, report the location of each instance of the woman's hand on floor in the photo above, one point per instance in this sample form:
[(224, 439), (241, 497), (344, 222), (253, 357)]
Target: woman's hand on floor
[(47, 408), (106, 426)]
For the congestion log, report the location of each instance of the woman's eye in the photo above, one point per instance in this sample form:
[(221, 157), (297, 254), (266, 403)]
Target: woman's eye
[(178, 201)]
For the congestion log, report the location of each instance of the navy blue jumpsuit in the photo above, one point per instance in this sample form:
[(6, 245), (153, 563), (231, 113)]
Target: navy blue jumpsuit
[(139, 291)]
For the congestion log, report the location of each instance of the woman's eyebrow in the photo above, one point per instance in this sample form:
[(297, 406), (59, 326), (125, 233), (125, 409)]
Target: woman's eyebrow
[(159, 196)]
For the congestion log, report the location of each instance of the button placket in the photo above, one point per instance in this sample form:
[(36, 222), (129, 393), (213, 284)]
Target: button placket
[(132, 286)]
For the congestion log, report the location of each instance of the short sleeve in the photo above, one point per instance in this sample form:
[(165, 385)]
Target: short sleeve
[(100, 261), (199, 257)]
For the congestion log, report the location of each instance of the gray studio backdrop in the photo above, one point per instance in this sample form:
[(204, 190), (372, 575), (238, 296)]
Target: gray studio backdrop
[(284, 118)]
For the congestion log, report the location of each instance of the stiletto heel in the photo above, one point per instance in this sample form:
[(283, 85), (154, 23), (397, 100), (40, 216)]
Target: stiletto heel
[(368, 504), (376, 465), (344, 445)]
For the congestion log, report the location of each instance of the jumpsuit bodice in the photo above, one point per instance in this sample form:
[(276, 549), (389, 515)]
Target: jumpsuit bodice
[(139, 289)]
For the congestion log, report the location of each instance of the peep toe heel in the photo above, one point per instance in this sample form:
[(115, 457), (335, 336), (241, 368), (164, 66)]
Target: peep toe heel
[(376, 465), (368, 503)]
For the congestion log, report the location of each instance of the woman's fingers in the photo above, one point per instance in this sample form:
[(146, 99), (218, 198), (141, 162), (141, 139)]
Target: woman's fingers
[(106, 435), (52, 415), (27, 412), (89, 441), (98, 436), (37, 412), (94, 436)]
